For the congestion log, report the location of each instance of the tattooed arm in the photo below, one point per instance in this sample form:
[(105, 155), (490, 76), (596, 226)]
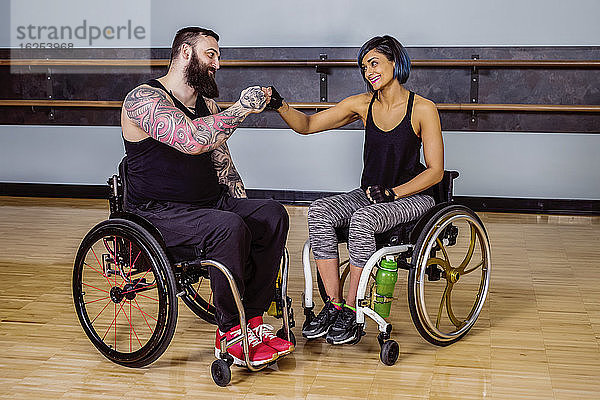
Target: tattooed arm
[(223, 163), (227, 173), (152, 110)]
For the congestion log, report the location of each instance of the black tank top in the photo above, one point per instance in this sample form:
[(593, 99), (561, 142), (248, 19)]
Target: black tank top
[(157, 171), (391, 158)]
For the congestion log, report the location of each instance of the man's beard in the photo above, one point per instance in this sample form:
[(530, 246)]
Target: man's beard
[(197, 76)]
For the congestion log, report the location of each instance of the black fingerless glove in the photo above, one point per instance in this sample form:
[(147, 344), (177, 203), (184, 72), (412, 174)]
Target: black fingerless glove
[(276, 100), (380, 194)]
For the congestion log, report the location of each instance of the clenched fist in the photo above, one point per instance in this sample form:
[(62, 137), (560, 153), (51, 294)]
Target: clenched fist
[(253, 99)]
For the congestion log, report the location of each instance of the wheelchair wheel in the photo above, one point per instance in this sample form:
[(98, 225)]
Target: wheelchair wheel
[(124, 293), (450, 278), (198, 297)]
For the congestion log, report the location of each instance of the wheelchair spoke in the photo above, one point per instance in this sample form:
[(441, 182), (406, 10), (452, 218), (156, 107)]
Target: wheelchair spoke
[(100, 265), (131, 267), (130, 264), (130, 328), (442, 301), (94, 301), (144, 314), (101, 311), (113, 322), (443, 249), (451, 315), (115, 258), (142, 289), (438, 261), (138, 282), (469, 254), (147, 297), (474, 268), (94, 287)]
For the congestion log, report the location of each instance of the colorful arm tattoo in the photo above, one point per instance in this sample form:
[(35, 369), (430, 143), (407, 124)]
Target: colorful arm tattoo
[(226, 171), (153, 111)]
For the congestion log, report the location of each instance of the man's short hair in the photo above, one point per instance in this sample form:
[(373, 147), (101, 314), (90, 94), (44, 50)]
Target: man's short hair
[(189, 36)]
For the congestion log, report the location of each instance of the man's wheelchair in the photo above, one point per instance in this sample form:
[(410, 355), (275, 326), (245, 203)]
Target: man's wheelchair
[(126, 285), (449, 269)]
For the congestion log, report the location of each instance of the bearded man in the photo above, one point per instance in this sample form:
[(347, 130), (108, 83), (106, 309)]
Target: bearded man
[(182, 179)]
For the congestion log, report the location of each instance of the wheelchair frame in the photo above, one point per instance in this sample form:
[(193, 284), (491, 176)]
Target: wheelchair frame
[(175, 278), (431, 233)]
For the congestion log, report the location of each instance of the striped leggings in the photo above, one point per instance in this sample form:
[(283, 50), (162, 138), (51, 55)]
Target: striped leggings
[(354, 209)]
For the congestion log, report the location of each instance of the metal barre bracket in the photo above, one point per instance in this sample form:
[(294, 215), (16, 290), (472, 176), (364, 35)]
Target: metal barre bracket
[(322, 71), (474, 89)]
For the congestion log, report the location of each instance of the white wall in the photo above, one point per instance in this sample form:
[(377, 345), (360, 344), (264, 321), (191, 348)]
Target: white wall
[(414, 23), (325, 23), (527, 165)]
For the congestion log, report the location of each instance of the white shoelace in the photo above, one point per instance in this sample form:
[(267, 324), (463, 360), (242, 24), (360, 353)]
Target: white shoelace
[(253, 340), (264, 331)]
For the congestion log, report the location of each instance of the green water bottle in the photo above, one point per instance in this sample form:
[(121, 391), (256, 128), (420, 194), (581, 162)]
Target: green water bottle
[(385, 279)]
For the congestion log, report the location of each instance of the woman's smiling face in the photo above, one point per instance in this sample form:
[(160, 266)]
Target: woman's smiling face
[(377, 69)]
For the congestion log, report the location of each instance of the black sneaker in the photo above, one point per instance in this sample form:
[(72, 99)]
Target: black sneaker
[(344, 328), (322, 322)]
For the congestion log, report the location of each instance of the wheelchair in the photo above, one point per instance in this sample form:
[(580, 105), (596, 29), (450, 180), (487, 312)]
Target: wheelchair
[(447, 255), (127, 282)]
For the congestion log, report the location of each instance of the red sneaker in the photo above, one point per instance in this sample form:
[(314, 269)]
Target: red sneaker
[(260, 353), (265, 334)]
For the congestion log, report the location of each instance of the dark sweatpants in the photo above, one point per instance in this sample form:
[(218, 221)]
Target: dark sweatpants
[(246, 235)]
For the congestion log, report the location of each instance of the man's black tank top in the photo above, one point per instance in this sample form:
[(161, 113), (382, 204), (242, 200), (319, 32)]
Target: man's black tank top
[(391, 158), (157, 171)]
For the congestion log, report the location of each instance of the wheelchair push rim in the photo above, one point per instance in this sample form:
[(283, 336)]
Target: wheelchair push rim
[(124, 293), (451, 262)]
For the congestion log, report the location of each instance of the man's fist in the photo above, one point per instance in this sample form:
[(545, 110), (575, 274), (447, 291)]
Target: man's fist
[(253, 99)]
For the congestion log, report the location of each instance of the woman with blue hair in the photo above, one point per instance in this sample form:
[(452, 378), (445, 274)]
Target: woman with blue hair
[(394, 185)]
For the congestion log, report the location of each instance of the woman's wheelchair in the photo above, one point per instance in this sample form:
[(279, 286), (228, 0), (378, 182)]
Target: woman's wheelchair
[(449, 269), (126, 283)]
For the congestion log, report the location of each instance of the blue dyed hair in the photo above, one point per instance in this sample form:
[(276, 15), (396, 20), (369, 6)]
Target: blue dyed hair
[(393, 50)]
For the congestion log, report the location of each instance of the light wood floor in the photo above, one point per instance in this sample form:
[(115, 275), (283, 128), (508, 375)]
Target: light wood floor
[(538, 335)]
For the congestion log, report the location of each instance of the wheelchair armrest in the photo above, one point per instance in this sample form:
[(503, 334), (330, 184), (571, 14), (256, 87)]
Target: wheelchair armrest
[(443, 190)]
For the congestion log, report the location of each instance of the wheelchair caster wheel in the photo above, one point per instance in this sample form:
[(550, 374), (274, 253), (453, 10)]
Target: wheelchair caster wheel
[(389, 352), (227, 358), (281, 335), (221, 373)]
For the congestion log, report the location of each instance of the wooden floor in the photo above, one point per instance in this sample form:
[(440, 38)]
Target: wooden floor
[(538, 336)]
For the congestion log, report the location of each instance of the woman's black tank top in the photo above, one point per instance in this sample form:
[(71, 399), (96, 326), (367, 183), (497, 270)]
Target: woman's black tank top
[(156, 171), (391, 158)]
